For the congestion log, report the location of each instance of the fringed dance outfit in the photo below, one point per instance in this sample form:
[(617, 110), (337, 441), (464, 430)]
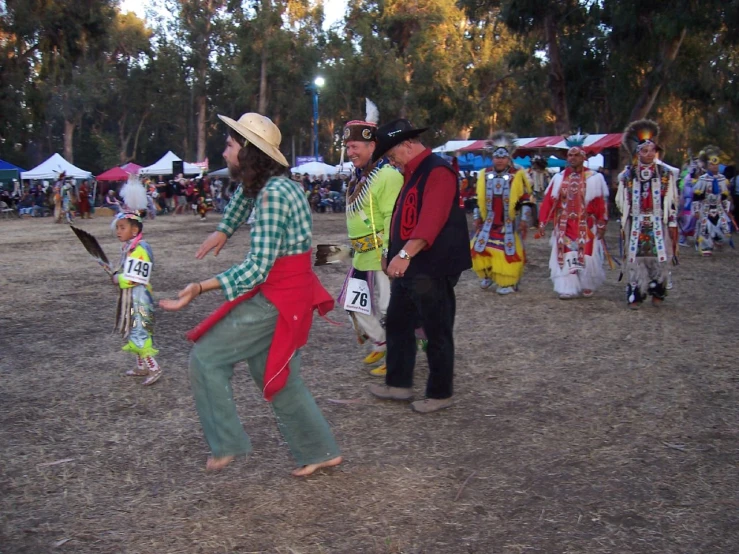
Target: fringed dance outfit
[(711, 209), (576, 202), (647, 200), (371, 196), (135, 312), (504, 198)]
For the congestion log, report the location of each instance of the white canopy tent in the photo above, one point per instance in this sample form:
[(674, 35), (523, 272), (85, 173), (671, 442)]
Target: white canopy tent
[(346, 168), (163, 166), (315, 169), (219, 173), (595, 162), (53, 167)]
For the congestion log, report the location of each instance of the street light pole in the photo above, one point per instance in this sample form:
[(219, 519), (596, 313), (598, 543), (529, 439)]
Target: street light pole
[(315, 122), (314, 86)]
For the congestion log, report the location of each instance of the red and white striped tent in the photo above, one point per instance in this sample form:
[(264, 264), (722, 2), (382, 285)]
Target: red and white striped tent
[(594, 144)]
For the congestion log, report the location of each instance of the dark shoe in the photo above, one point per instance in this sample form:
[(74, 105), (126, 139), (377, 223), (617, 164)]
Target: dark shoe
[(428, 405), (390, 393)]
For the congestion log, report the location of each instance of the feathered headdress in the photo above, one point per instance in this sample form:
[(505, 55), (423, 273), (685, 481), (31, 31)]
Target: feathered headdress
[(638, 133), (366, 130), (502, 144), (710, 155), (135, 200), (577, 140), (539, 162)]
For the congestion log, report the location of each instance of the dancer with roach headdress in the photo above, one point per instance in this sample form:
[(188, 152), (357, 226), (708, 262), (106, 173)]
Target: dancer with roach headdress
[(132, 275)]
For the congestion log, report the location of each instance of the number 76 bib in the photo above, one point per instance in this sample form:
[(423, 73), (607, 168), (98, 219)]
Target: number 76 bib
[(357, 298), (138, 271)]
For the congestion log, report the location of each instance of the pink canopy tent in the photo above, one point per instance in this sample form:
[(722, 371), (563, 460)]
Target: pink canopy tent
[(119, 173), (131, 167)]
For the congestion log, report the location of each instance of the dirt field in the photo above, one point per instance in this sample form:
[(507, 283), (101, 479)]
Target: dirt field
[(579, 427)]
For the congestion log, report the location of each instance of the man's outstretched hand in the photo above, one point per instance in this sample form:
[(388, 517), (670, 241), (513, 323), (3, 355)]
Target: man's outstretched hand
[(215, 240), (184, 297)]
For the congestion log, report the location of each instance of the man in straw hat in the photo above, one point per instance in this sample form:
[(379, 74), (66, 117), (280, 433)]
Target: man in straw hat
[(504, 212), (271, 297), (576, 202), (370, 198), (647, 199), (711, 204), (428, 251)]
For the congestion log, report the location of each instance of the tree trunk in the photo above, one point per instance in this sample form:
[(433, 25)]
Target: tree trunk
[(136, 138), (123, 150), (657, 78), (556, 81), (123, 139), (263, 80), (202, 109), (406, 93), (69, 127)]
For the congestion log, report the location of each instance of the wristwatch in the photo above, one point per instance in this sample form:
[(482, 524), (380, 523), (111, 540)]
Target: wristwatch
[(403, 255)]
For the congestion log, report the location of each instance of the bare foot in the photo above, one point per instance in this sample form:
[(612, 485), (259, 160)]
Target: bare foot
[(312, 468), (214, 464)]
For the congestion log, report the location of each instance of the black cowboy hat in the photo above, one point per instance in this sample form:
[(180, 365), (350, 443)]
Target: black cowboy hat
[(392, 134)]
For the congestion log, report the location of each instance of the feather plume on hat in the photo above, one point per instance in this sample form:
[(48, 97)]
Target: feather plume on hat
[(373, 114), (638, 133), (135, 200), (501, 141)]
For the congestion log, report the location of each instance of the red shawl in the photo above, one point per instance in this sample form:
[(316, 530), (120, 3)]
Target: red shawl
[(296, 292)]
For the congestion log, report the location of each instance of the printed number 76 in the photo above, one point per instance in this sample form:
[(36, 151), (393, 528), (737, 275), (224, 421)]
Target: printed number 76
[(362, 297)]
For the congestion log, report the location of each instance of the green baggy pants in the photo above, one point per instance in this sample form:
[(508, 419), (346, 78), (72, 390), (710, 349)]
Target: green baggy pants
[(245, 334)]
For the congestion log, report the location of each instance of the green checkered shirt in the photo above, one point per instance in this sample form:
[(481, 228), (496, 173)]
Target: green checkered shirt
[(282, 227)]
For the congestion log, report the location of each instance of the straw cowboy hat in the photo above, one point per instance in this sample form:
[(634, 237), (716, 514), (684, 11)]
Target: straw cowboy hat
[(259, 131)]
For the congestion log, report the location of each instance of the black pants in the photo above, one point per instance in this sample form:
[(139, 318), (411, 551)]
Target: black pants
[(431, 302)]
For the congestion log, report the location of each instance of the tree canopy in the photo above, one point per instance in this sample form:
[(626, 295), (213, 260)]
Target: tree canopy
[(103, 87)]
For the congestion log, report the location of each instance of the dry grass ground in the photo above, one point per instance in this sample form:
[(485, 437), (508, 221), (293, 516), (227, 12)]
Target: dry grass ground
[(579, 427)]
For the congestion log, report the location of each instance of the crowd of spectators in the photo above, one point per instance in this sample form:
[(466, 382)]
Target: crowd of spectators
[(324, 193), (178, 195)]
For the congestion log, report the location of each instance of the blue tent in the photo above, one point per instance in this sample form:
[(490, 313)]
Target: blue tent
[(476, 162), (9, 166), (8, 172)]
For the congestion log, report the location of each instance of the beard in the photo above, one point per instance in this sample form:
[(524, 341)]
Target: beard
[(234, 171)]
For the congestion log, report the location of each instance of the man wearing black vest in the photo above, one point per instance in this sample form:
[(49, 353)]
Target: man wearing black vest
[(428, 250)]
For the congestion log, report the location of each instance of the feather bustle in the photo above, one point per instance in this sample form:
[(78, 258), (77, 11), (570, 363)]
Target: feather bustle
[(327, 254)]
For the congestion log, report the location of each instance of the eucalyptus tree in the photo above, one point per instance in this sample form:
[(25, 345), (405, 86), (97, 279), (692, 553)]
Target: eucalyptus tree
[(197, 25), (53, 42), (123, 90)]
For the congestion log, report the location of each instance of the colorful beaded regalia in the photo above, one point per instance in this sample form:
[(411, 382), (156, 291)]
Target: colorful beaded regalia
[(370, 198), (711, 205), (135, 311), (576, 202), (647, 199), (504, 200)]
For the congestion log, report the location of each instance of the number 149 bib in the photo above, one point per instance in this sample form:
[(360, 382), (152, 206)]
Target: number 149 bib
[(357, 298), (138, 271)]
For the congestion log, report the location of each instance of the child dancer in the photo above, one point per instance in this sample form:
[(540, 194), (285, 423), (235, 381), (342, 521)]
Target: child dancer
[(135, 313)]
